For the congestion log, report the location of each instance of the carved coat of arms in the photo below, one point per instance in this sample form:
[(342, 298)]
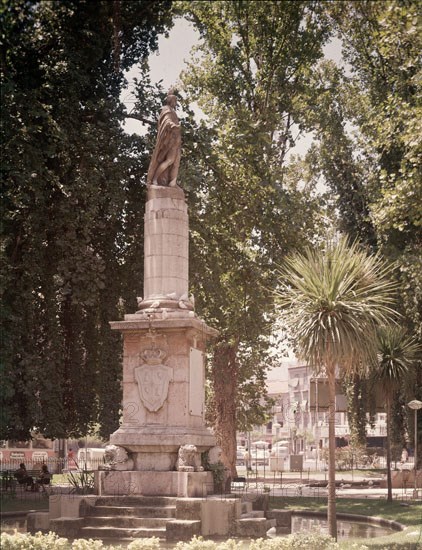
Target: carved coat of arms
[(153, 379)]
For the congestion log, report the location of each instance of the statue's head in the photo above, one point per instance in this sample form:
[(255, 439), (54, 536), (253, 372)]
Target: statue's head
[(171, 98)]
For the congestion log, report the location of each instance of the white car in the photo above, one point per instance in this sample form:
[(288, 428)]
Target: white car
[(260, 456), (280, 451)]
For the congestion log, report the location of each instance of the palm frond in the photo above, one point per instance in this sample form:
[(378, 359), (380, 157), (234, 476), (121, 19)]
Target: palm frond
[(397, 351), (333, 301)]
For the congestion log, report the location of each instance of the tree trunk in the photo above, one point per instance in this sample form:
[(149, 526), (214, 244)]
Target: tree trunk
[(332, 518), (388, 452), (224, 379)]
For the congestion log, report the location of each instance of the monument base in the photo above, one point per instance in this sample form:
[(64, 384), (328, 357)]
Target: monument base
[(170, 518), (153, 483)]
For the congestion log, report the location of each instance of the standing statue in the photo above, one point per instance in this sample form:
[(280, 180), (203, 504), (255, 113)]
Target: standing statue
[(165, 160)]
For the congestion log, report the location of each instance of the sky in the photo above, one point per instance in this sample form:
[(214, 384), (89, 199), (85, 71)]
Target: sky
[(171, 58), (166, 64)]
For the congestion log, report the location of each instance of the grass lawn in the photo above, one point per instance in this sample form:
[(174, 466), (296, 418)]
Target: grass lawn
[(411, 516)]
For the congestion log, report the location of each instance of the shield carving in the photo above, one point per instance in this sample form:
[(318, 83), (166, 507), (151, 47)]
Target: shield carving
[(153, 383)]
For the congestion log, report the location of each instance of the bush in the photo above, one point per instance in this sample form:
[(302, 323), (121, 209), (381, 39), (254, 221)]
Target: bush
[(90, 544), (51, 541), (196, 543), (25, 541), (315, 541), (152, 543)]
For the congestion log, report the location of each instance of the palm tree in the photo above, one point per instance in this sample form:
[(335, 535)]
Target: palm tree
[(396, 353), (333, 300)]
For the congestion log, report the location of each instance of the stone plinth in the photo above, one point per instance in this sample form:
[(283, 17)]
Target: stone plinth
[(163, 367), (163, 388), (38, 521), (153, 483)]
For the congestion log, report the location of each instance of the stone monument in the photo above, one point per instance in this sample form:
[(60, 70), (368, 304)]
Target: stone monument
[(154, 476), (164, 345)]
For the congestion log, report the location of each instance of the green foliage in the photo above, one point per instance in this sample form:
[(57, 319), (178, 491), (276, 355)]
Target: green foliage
[(368, 128), (152, 543), (217, 470), (89, 544), (367, 123), (246, 210), (397, 351), (350, 457), (82, 481), (333, 301), (315, 541), (72, 218), (25, 541), (359, 402)]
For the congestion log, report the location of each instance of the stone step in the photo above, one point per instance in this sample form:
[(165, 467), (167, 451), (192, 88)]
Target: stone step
[(253, 514), (135, 501), (134, 511), (126, 522), (253, 527), (120, 533)]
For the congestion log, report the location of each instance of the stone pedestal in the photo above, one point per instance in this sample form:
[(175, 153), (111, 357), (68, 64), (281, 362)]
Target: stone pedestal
[(163, 389), (153, 483), (163, 362)]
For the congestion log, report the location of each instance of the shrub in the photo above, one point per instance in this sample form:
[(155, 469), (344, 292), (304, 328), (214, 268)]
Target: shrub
[(196, 543), (25, 541), (152, 543), (90, 544), (315, 541)]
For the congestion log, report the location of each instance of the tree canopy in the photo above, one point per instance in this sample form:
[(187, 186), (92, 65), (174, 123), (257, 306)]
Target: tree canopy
[(72, 229), (367, 124), (246, 209), (72, 208)]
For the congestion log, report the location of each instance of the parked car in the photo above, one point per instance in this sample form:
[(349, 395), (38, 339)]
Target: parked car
[(280, 451), (260, 457)]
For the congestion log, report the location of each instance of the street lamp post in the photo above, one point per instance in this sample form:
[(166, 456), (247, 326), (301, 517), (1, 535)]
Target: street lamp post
[(415, 405)]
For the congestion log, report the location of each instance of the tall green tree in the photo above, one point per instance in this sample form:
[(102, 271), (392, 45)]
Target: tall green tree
[(397, 353), (367, 124), (333, 301), (72, 208), (245, 209), (382, 45)]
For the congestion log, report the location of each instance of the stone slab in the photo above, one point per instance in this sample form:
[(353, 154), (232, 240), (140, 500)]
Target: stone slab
[(178, 529), (188, 508), (69, 505), (38, 521), (67, 527), (140, 322), (253, 527), (164, 192), (219, 516), (283, 518)]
